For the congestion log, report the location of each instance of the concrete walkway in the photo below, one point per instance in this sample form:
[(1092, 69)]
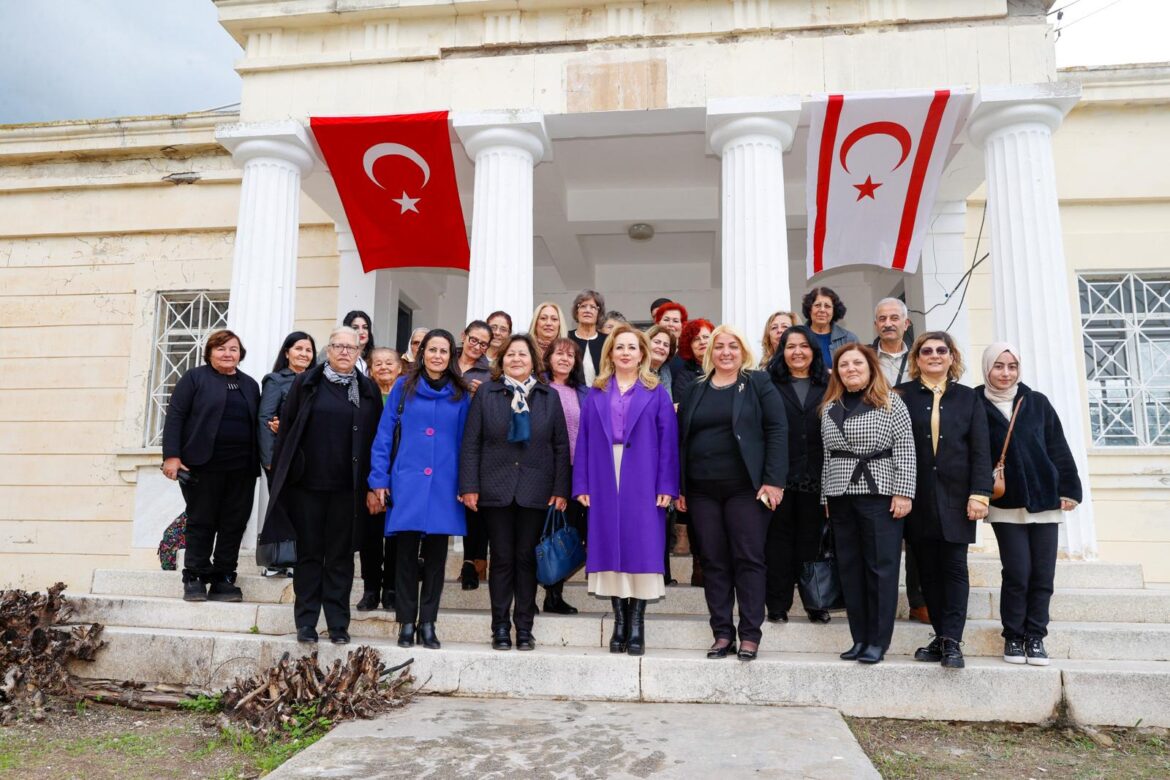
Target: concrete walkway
[(447, 737)]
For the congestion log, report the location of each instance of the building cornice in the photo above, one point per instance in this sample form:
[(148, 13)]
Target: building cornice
[(122, 136)]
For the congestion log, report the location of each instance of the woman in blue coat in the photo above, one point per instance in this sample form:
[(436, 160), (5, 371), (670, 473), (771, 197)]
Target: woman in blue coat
[(418, 484)]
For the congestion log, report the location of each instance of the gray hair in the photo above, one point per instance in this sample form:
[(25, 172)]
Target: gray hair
[(901, 304), (346, 330)]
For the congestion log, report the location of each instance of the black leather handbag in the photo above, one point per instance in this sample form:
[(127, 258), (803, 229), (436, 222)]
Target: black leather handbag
[(820, 583), (277, 555)]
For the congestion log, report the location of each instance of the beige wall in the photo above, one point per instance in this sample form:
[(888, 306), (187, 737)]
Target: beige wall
[(89, 233)]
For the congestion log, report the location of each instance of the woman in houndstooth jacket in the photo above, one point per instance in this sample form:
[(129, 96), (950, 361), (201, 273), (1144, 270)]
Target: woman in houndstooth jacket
[(867, 483)]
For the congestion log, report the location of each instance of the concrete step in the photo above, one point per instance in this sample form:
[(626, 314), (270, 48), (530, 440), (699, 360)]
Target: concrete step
[(1113, 641), (1096, 692), (1108, 605)]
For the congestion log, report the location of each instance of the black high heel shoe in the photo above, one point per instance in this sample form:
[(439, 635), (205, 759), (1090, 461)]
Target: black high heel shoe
[(406, 637), (426, 633), (721, 651), (852, 653), (501, 638)]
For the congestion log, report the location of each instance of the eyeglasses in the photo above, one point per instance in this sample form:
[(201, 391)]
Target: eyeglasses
[(473, 341), (940, 351), (587, 305), (500, 329), (343, 348)]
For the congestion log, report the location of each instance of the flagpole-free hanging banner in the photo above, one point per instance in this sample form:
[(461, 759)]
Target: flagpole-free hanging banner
[(874, 165), (396, 179)]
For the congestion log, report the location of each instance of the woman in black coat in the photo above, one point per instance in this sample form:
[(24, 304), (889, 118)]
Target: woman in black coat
[(322, 457), (953, 487), (733, 459), (798, 524), (209, 446), (297, 353), (513, 466), (1041, 483)]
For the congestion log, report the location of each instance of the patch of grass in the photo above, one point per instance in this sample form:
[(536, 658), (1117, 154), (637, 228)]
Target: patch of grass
[(130, 745), (206, 704), (304, 729)]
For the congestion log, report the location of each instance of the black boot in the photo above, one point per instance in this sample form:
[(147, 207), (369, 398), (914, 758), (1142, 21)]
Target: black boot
[(637, 619), (406, 635), (617, 641), (426, 632), (554, 600), (468, 577), (368, 601), (387, 598)]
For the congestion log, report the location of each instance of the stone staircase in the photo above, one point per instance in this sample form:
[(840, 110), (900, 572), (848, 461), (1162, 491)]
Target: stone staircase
[(1109, 641)]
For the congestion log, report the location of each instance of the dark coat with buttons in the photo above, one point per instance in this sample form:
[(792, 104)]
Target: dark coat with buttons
[(960, 469), (194, 413), (528, 473), (806, 451), (759, 423), (288, 456)]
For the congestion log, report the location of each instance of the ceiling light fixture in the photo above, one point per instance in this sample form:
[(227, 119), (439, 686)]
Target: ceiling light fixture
[(640, 231)]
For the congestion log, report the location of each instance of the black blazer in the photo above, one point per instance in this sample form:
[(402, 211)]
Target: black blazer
[(194, 413), (759, 424), (960, 469), (806, 450), (590, 350), (288, 458), (502, 471), (1039, 469)]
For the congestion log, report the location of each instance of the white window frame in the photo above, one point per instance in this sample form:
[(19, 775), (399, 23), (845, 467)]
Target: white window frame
[(1124, 324), (183, 320)]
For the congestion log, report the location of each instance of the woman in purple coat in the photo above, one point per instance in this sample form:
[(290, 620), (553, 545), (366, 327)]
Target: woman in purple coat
[(626, 472)]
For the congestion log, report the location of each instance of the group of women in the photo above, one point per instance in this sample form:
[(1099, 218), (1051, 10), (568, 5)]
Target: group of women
[(614, 426)]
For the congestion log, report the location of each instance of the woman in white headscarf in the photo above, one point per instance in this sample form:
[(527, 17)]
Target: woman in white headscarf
[(1040, 482)]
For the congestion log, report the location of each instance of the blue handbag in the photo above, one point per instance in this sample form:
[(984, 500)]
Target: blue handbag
[(560, 551)]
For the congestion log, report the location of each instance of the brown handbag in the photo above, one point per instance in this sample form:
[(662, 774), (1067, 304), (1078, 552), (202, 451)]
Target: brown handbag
[(999, 486)]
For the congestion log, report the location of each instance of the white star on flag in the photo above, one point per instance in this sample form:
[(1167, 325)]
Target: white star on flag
[(407, 203)]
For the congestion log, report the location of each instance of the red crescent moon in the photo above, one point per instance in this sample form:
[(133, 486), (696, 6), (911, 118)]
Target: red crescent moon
[(892, 129)]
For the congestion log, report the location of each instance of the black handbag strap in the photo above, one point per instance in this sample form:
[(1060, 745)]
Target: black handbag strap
[(397, 427), (826, 550)]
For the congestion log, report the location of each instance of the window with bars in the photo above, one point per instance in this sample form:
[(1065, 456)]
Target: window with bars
[(183, 321), (1125, 319)]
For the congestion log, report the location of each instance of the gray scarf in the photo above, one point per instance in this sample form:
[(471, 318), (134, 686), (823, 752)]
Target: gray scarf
[(349, 381)]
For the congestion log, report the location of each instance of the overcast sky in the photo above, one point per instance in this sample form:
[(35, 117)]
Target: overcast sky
[(85, 59)]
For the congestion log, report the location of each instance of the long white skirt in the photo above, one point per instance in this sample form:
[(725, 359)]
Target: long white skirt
[(620, 584)]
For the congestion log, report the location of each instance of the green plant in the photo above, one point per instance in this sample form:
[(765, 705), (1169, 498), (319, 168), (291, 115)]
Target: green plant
[(254, 630), (203, 703), (80, 707), (267, 753)]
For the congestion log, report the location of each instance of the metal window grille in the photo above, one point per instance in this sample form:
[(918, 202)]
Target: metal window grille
[(183, 321), (1125, 319)]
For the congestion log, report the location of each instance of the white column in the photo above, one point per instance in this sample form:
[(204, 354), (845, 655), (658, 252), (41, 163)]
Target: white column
[(1030, 279), (505, 146), (264, 264), (936, 288), (751, 136)]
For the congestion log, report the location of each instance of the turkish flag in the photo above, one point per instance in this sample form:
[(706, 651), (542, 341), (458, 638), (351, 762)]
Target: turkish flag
[(396, 179), (874, 166)]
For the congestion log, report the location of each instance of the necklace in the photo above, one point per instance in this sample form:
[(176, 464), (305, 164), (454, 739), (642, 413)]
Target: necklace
[(625, 388), (723, 387)]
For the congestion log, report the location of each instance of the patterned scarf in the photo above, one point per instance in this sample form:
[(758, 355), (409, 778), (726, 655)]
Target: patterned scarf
[(349, 381), (519, 429)]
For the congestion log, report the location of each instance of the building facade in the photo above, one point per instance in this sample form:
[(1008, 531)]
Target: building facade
[(123, 241)]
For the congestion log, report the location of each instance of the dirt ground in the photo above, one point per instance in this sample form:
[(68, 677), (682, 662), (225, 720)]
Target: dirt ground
[(94, 742), (941, 750)]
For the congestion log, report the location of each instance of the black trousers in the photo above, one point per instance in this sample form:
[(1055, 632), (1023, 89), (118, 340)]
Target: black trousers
[(218, 508), (794, 536), (946, 584), (323, 576), (513, 532), (415, 603), (378, 556), (914, 587), (868, 543), (475, 543), (1028, 554), (734, 528)]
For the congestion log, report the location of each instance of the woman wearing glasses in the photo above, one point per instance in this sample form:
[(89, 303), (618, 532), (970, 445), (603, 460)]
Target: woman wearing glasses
[(321, 457), (953, 487), (589, 312), (500, 323), (475, 369)]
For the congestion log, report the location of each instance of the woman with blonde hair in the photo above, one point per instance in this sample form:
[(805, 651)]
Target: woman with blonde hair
[(734, 457), (548, 323), (625, 471), (867, 482), (774, 328)]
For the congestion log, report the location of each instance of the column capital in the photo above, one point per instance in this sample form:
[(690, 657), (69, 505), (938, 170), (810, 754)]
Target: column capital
[(997, 108), (523, 129), (731, 118), (285, 140)]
